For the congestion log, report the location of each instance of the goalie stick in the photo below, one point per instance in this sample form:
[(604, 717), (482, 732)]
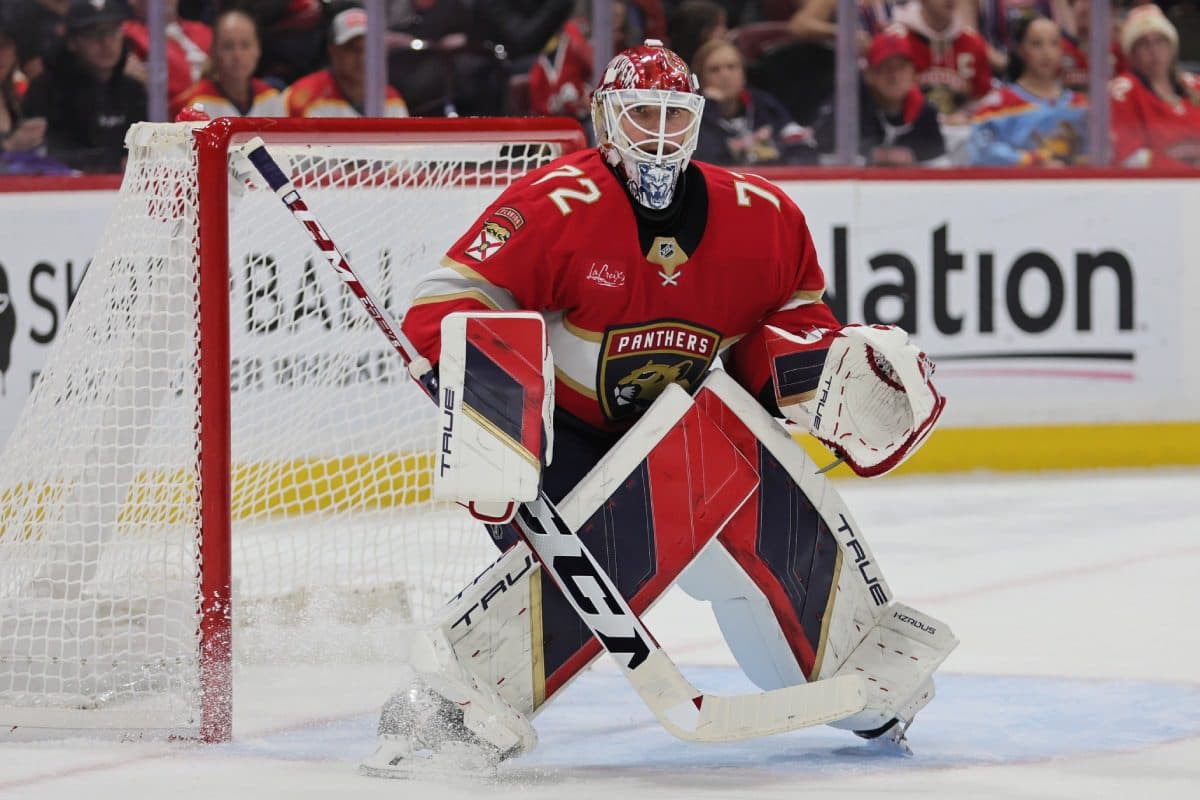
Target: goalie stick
[(679, 706)]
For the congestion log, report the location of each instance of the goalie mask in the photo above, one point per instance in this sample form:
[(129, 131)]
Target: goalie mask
[(647, 117)]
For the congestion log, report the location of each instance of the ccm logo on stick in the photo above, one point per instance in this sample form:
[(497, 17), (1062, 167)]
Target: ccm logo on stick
[(573, 570)]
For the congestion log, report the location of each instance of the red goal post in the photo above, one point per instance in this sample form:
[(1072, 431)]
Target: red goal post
[(215, 416)]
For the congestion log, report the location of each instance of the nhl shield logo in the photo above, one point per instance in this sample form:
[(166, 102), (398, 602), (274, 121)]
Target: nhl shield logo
[(667, 253), (637, 362)]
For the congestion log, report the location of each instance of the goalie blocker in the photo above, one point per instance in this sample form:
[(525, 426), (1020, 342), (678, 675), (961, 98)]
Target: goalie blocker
[(710, 492), (496, 392)]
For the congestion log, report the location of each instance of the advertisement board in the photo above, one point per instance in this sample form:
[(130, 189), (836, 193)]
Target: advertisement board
[(1058, 312)]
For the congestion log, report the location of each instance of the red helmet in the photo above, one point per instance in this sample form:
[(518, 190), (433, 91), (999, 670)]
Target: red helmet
[(648, 66), (646, 111)]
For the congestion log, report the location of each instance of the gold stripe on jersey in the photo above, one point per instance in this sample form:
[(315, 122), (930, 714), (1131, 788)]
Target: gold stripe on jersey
[(574, 385), (462, 269), (803, 297), (473, 294), (581, 333), (452, 280), (574, 356), (728, 342)]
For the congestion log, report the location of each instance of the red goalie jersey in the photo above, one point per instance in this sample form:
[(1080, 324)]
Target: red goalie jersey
[(632, 301), (1148, 130)]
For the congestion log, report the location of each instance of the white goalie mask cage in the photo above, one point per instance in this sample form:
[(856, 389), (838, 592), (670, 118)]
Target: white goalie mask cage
[(647, 114)]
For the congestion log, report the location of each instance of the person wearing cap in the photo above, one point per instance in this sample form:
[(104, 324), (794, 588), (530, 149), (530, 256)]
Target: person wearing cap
[(1035, 120), (1155, 105), (339, 90), (897, 125), (87, 99), (742, 125)]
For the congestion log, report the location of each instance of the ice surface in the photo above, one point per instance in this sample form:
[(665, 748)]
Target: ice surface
[(1074, 597)]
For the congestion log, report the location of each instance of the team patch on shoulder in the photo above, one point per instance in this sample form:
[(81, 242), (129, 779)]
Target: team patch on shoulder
[(638, 361), (510, 214), (492, 236)]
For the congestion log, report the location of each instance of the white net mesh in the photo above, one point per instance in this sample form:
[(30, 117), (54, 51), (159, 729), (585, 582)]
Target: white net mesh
[(99, 496)]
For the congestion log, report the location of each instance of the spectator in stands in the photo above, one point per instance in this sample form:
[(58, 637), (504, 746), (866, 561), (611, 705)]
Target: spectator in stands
[(229, 88), (84, 94), (38, 27), (558, 80), (743, 125), (205, 11), (456, 56), (636, 21), (692, 24), (1075, 32), (340, 90), (951, 60), (523, 27), (1155, 105), (816, 21), (292, 34), (17, 134), (997, 20), (437, 65), (188, 44), (1035, 120), (898, 126)]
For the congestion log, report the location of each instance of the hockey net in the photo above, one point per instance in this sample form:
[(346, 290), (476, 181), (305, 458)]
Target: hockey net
[(222, 433)]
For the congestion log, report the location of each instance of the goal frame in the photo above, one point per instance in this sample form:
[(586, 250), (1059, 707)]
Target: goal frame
[(213, 143)]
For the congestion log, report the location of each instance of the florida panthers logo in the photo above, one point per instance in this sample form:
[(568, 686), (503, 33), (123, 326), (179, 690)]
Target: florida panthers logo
[(638, 361), (640, 387)]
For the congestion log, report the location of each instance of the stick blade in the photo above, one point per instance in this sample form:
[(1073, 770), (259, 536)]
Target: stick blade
[(717, 718)]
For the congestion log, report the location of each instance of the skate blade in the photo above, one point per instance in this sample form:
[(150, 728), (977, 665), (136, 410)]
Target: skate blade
[(891, 746), (455, 761)]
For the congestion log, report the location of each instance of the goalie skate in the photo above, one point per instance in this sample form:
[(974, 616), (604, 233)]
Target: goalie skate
[(444, 722)]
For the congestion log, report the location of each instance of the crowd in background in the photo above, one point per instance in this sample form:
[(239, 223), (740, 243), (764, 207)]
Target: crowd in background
[(943, 82)]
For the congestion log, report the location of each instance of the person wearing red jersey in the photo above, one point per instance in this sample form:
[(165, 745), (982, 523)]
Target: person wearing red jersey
[(951, 59), (649, 270), (1155, 105), (339, 90), (558, 79), (188, 43), (230, 88)]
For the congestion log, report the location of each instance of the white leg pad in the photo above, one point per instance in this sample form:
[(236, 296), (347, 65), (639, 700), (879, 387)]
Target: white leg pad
[(897, 658), (495, 627)]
